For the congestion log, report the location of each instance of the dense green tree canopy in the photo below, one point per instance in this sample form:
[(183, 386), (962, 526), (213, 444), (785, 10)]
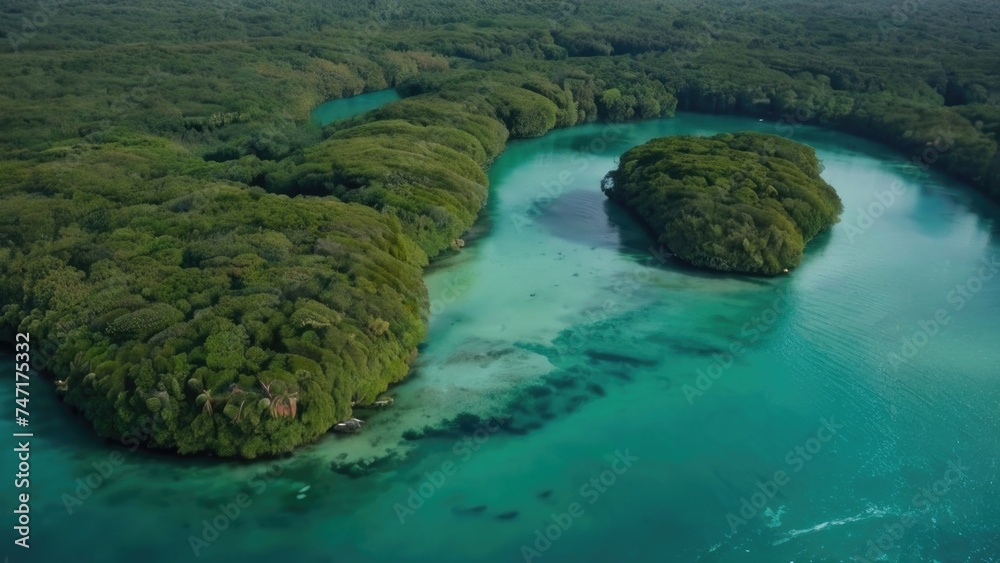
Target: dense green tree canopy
[(198, 255), (743, 202)]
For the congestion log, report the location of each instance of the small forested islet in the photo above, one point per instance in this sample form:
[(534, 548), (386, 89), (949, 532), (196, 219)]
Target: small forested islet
[(744, 202)]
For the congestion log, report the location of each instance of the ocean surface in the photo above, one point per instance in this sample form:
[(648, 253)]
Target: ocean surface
[(649, 411)]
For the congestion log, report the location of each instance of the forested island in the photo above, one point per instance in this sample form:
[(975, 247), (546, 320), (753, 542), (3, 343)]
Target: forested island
[(743, 202), (205, 264)]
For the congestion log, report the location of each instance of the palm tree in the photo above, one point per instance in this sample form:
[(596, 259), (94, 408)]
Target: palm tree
[(267, 388), (79, 364), (205, 401), (282, 403), (235, 393), (285, 404), (240, 412)]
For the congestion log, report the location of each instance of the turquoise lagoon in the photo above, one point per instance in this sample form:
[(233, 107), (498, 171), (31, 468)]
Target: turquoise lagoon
[(809, 417), (335, 110)]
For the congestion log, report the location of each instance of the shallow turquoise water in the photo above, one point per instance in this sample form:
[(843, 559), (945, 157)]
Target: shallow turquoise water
[(562, 318), (335, 110)]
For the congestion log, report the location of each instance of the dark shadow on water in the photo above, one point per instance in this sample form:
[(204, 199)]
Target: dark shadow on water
[(941, 193), (944, 201), (588, 218), (816, 247), (580, 216)]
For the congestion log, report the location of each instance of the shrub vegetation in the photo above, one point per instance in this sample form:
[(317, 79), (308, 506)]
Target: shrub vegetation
[(199, 255), (743, 202)]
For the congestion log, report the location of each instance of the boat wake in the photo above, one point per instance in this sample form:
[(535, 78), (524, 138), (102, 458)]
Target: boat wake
[(870, 513)]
